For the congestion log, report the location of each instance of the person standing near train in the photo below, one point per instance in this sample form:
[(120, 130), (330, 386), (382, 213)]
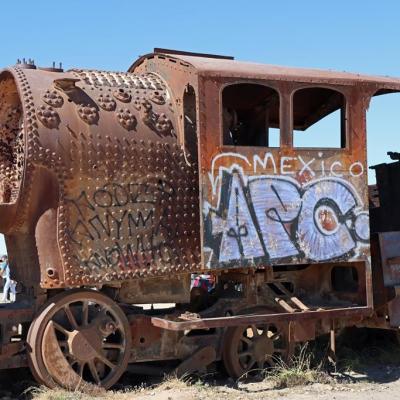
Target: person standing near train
[(9, 284)]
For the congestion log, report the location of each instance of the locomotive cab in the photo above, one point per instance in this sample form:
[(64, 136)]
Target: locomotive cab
[(268, 201), (283, 176)]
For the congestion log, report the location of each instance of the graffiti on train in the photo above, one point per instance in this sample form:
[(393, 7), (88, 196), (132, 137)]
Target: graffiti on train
[(273, 218), (305, 168), (121, 224)]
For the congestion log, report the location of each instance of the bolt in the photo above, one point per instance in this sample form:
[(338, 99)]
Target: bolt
[(109, 327)]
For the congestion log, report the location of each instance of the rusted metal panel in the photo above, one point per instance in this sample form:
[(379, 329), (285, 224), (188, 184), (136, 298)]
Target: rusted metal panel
[(11, 314), (156, 290), (144, 333), (303, 332)]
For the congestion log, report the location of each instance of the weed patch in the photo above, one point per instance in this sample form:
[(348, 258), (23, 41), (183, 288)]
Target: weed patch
[(298, 371)]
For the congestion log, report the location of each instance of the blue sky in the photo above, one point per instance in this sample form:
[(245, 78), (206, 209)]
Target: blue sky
[(359, 36)]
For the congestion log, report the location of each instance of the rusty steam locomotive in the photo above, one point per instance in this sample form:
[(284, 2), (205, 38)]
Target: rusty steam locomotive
[(115, 188)]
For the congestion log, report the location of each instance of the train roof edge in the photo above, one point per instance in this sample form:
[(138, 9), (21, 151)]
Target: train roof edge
[(217, 65)]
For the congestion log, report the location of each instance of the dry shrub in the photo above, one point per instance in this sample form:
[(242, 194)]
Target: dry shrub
[(298, 371), (170, 383), (44, 393)]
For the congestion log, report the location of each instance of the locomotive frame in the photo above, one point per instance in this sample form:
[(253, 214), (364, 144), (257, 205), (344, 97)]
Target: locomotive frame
[(116, 187)]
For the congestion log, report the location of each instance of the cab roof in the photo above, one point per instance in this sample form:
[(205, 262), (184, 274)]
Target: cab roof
[(224, 66)]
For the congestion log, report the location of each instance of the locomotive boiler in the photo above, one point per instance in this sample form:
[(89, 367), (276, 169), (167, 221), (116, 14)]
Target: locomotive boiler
[(118, 188)]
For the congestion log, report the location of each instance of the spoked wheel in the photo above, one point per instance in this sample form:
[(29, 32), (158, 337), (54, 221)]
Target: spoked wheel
[(80, 337), (249, 350)]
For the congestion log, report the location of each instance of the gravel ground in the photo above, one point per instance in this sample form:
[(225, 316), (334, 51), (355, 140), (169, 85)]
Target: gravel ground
[(378, 382)]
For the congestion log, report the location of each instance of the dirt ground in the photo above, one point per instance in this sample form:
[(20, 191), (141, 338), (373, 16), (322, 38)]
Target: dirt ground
[(256, 391), (381, 384), (368, 367), (378, 383)]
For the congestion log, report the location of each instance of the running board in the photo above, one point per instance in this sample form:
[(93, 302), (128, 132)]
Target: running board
[(222, 322)]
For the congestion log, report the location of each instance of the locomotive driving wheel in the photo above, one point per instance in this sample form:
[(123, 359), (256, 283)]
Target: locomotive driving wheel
[(80, 337), (250, 349)]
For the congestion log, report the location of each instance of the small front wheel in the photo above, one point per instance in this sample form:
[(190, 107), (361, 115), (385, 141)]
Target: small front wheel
[(251, 349), (80, 337)]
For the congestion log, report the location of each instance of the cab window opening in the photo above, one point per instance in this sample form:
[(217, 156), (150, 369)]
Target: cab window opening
[(319, 118), (250, 115), (190, 123), (382, 130), (383, 154)]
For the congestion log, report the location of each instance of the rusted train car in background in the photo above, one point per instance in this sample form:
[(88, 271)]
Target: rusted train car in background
[(117, 187)]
